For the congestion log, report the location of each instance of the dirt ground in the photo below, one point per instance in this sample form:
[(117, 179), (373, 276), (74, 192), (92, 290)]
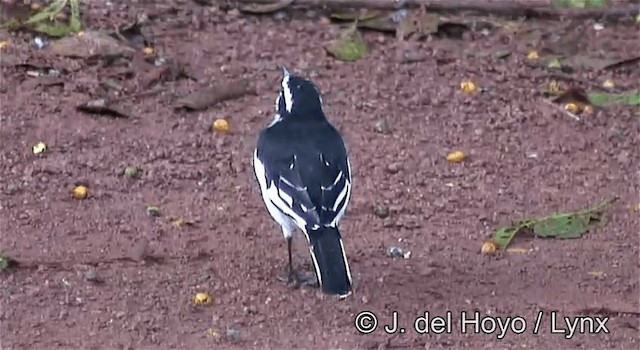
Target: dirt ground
[(102, 273)]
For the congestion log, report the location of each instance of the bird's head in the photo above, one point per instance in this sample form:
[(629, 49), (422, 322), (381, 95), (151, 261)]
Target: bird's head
[(298, 97)]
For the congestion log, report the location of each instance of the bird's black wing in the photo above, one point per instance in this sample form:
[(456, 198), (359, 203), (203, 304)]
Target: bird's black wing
[(310, 172)]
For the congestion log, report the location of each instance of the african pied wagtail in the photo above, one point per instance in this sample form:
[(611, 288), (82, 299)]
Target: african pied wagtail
[(304, 174)]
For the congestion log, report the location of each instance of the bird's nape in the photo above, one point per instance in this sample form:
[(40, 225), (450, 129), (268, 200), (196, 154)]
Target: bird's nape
[(298, 96)]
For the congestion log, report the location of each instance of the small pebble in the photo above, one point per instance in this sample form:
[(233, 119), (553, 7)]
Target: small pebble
[(92, 276), (131, 172), (39, 43), (154, 211), (397, 252), (382, 126), (394, 168), (234, 335), (381, 211), (280, 16)]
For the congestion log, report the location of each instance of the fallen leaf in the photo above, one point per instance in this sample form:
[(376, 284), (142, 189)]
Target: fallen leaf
[(561, 226), (629, 98), (554, 63), (106, 107), (504, 235), (255, 8), (580, 4), (46, 20), (502, 54), (42, 81), (349, 47), (7, 262), (90, 44), (209, 96), (357, 15), (571, 225)]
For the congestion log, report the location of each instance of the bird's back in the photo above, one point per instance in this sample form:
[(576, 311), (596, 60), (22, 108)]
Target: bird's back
[(310, 155)]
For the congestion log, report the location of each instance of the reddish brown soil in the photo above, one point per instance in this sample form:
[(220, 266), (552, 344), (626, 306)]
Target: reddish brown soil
[(441, 212)]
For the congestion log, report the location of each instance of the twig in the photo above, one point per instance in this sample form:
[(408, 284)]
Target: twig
[(533, 8), (564, 111)]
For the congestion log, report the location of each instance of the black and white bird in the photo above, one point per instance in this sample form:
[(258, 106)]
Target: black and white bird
[(304, 174)]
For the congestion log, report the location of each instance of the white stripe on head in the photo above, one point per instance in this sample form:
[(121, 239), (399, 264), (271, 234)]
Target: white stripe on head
[(288, 96)]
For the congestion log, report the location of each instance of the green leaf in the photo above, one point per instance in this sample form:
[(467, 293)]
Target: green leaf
[(47, 13), (504, 235), (350, 46), (562, 226), (57, 30), (7, 262), (554, 63), (580, 4), (605, 99), (74, 22)]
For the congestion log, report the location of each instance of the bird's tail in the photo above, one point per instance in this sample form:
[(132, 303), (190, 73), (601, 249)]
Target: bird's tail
[(330, 261)]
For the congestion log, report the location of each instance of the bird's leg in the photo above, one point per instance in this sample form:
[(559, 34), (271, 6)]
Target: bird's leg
[(292, 276)]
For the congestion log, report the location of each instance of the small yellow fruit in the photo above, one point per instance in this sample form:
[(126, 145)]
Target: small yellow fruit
[(489, 248), (35, 6), (533, 55), (572, 107), (80, 33), (80, 192), (468, 87), (456, 157), (212, 333), (149, 51), (553, 87), (587, 109), (202, 299), (221, 125), (4, 44), (39, 148), (609, 84)]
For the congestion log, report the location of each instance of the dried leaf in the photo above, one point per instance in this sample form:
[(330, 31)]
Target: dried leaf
[(90, 44), (106, 107), (254, 8), (209, 96)]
